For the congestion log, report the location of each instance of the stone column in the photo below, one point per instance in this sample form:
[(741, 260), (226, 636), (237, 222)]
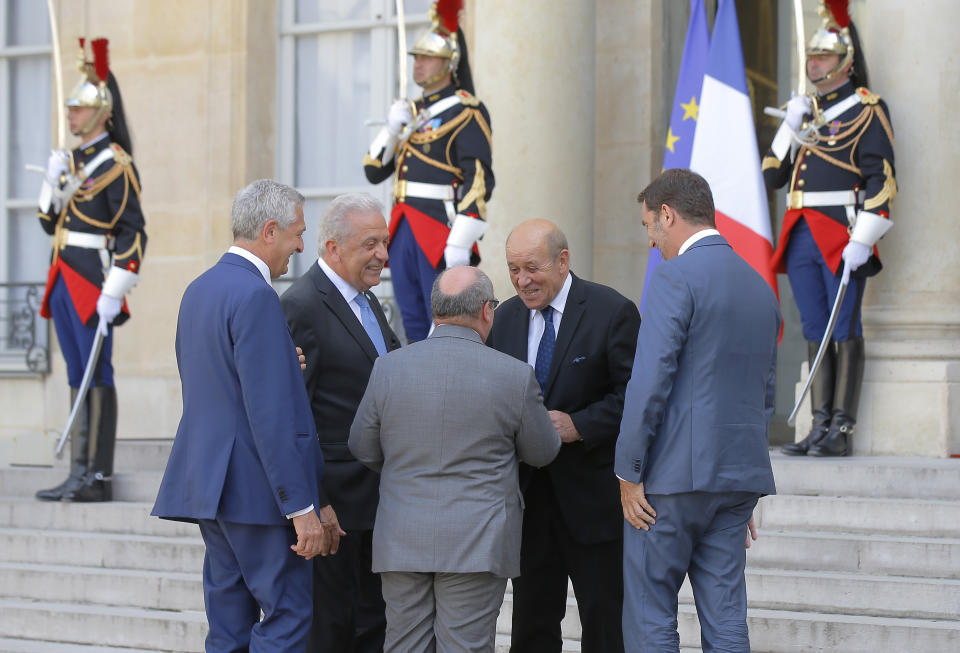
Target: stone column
[(534, 68), (911, 393)]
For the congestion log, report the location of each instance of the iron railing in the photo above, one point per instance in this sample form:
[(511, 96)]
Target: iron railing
[(24, 335)]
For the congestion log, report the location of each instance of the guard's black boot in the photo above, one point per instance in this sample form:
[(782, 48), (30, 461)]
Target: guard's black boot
[(821, 401), (79, 449), (96, 485), (839, 440)]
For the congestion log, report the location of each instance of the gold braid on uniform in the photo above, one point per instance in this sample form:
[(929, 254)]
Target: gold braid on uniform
[(855, 128), (887, 193), (478, 190), (122, 166)]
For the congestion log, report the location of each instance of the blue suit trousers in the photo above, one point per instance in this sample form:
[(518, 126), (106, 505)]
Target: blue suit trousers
[(248, 568), (697, 533)]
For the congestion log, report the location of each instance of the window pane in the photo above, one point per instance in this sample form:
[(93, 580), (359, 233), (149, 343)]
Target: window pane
[(29, 137), (333, 99), (30, 247), (318, 11), (27, 22)]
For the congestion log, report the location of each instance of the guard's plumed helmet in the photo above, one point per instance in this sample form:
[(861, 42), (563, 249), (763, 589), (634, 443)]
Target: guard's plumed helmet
[(441, 39), (833, 37), (91, 90)]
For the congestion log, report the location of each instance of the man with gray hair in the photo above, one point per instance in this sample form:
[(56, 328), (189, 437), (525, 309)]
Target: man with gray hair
[(341, 328), (447, 533), (245, 465)]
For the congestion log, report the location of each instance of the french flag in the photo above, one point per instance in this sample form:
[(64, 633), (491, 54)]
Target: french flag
[(725, 148)]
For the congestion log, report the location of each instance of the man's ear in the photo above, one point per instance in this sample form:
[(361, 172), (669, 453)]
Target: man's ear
[(269, 231), (669, 215)]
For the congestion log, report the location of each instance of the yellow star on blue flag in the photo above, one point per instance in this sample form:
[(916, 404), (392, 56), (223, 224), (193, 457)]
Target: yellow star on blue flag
[(690, 109), (671, 139)]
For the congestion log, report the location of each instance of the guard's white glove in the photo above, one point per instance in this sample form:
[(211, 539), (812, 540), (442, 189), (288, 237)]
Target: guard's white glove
[(797, 108), (855, 254), (398, 116), (57, 164), (454, 256), (107, 308)]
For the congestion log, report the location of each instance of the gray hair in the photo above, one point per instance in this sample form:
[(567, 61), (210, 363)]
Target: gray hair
[(260, 202), (467, 303), (334, 224)]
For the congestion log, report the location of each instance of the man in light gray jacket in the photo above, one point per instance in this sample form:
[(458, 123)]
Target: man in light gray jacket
[(447, 446)]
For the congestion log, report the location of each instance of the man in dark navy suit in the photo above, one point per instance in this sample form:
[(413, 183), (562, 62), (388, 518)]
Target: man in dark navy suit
[(246, 464), (692, 453), (342, 330), (580, 339)]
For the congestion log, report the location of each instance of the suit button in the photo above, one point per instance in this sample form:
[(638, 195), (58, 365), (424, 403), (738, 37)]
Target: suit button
[(801, 183), (803, 166)]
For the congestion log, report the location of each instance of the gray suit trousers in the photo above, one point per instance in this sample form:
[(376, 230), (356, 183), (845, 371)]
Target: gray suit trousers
[(444, 612)]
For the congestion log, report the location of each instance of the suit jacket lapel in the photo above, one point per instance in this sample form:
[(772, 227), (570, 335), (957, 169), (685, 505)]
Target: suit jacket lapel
[(338, 306), (572, 313), (516, 326)]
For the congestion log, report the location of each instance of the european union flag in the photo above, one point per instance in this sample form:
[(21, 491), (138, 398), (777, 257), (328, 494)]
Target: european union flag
[(686, 105)]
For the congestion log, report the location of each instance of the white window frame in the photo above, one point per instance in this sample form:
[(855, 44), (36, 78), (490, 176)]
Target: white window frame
[(382, 25)]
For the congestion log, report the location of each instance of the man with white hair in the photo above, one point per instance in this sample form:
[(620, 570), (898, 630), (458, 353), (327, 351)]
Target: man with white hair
[(341, 328)]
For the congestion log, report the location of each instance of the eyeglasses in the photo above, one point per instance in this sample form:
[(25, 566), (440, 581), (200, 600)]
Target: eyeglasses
[(493, 303)]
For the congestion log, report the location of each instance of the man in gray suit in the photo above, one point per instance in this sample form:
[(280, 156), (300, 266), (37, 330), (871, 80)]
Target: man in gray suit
[(447, 531), (692, 453)]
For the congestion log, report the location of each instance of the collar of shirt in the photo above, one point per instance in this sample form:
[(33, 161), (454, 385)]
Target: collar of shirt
[(93, 142), (537, 323), (688, 243), (348, 291), (253, 258)]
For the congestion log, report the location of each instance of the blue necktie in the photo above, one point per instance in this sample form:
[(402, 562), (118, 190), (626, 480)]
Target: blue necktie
[(545, 351), (370, 324)]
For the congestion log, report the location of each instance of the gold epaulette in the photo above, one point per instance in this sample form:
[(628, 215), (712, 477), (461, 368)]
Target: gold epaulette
[(467, 99), (120, 155), (866, 97)]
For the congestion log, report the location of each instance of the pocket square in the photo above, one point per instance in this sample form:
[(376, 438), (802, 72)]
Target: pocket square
[(578, 360)]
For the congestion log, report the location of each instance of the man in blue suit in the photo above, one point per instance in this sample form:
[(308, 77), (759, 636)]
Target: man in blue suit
[(692, 455), (246, 464)]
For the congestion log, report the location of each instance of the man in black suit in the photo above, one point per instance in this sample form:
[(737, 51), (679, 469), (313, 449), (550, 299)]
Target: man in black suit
[(580, 337), (341, 328)]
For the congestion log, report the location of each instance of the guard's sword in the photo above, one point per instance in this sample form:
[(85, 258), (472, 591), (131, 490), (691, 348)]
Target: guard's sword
[(84, 386), (844, 282), (402, 49)]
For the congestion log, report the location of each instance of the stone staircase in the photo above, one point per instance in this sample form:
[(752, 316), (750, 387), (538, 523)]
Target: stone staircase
[(857, 554)]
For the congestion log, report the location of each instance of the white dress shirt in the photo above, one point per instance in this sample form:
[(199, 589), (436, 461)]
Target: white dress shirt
[(348, 291), (253, 258), (695, 237), (537, 323)]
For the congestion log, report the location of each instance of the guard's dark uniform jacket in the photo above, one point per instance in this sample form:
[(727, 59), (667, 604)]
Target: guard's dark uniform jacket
[(854, 154), (106, 204), (451, 148)]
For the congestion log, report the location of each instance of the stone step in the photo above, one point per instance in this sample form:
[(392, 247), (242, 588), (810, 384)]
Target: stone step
[(132, 455), (159, 590), (783, 631), (111, 550), (893, 555), (868, 476), (849, 594), (110, 517), (8, 645), (915, 517), (118, 626), (127, 486)]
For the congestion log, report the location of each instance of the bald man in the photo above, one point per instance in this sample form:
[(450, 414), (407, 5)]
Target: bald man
[(580, 338), (447, 533)]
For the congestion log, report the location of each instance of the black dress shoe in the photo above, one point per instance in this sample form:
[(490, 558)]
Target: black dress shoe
[(838, 442), (92, 490)]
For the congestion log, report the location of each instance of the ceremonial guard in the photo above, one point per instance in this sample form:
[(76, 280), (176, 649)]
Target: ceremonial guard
[(438, 151), (835, 152), (90, 204)]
